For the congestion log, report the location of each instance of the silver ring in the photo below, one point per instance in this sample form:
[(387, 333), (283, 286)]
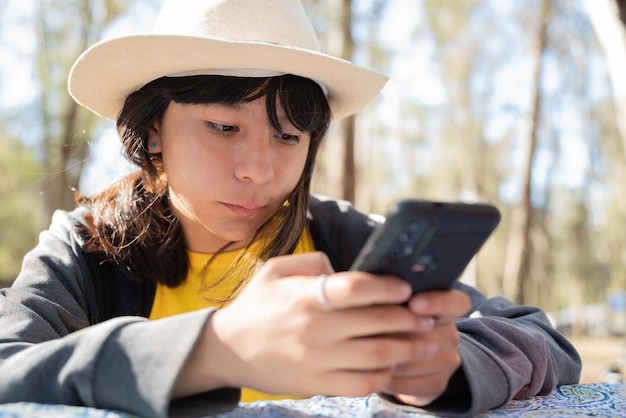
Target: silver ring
[(320, 291)]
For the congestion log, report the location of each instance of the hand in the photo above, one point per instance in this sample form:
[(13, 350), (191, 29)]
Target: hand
[(423, 380), (276, 337)]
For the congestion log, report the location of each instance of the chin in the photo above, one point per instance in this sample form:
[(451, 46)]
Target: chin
[(239, 240)]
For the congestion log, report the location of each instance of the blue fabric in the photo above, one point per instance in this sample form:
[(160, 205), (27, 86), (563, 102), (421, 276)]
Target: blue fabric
[(600, 400)]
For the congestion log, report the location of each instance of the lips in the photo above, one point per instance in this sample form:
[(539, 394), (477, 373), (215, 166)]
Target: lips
[(245, 210)]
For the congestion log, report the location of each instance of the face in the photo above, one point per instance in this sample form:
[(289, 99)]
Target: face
[(227, 168)]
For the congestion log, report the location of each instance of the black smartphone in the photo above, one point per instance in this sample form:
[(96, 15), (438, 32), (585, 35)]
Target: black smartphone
[(427, 243)]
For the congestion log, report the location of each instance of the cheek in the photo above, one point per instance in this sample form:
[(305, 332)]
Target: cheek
[(189, 168), (290, 174), (292, 165)]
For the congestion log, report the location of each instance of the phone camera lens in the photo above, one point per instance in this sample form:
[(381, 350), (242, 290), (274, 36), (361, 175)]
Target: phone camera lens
[(424, 262), (407, 241)]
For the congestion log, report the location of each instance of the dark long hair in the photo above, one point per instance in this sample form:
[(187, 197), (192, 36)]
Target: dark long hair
[(131, 221)]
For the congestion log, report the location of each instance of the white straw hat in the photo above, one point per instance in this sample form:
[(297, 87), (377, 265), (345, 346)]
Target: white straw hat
[(248, 38)]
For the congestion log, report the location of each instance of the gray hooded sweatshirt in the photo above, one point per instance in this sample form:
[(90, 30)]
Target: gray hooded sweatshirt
[(74, 331)]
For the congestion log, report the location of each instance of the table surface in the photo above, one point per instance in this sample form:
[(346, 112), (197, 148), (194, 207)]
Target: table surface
[(599, 400)]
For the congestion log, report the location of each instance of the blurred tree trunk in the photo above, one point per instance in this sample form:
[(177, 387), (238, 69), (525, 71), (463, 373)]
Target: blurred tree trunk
[(65, 124), (461, 156), (347, 125), (621, 5), (58, 111), (332, 23), (609, 19), (20, 213), (336, 172), (517, 267)]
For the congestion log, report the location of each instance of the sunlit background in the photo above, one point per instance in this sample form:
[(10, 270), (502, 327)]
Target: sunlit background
[(505, 102)]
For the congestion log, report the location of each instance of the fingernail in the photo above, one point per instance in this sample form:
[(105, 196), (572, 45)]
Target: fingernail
[(430, 349), (428, 323), (407, 290), (404, 290), (419, 303)]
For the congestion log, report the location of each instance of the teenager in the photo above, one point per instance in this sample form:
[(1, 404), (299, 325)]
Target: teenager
[(212, 267)]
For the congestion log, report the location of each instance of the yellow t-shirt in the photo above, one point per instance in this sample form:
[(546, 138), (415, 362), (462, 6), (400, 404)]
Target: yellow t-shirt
[(190, 296)]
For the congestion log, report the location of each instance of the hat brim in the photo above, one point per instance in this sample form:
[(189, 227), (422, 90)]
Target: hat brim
[(105, 74)]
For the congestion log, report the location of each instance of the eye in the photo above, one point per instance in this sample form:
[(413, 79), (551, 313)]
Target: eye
[(289, 138), (221, 129)]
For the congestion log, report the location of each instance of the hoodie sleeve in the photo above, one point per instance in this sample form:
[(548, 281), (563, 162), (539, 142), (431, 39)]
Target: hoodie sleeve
[(49, 352)]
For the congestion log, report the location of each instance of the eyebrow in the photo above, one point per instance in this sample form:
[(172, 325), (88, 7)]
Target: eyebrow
[(281, 115)]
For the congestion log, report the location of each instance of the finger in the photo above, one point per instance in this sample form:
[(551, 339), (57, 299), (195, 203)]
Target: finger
[(446, 306), (376, 320), (442, 360), (379, 352), (309, 264), (422, 382), (419, 390), (445, 360), (353, 289)]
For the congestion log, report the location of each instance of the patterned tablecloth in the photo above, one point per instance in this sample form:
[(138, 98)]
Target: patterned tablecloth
[(593, 400)]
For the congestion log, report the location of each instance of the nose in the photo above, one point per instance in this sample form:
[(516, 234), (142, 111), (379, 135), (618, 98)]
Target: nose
[(255, 163)]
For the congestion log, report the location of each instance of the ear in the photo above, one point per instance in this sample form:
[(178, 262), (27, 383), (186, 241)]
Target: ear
[(154, 140)]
